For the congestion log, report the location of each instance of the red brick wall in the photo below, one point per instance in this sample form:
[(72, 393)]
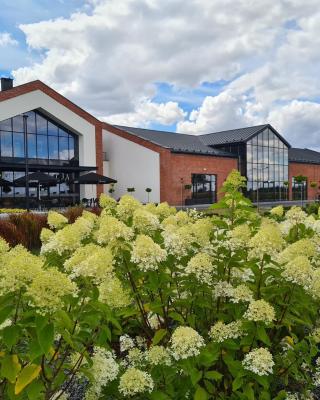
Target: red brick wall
[(311, 171), (174, 167)]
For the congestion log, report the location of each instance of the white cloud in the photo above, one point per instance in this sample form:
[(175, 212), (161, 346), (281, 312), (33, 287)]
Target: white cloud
[(301, 121), (164, 113), (109, 61), (216, 113), (7, 40)]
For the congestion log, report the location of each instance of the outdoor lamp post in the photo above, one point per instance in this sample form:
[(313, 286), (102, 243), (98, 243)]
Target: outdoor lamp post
[(26, 156), (181, 181)]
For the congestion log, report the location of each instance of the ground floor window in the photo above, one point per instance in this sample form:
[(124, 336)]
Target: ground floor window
[(204, 189), (267, 191), (61, 195), (299, 188)]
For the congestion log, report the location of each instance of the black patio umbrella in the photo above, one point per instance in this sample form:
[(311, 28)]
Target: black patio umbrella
[(93, 179), (4, 182), (36, 179)]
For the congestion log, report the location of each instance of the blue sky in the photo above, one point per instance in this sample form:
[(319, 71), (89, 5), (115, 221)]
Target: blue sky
[(15, 13), (173, 65)]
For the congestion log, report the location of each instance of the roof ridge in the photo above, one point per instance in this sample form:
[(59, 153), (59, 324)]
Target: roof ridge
[(236, 129)]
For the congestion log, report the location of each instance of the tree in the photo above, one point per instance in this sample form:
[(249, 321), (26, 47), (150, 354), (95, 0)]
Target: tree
[(112, 189), (314, 185), (300, 180), (148, 190), (286, 185)]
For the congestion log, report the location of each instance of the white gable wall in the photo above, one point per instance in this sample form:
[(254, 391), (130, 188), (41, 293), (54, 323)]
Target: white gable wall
[(85, 130), (132, 165)]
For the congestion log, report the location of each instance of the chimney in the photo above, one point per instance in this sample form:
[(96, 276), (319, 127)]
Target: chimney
[(6, 84)]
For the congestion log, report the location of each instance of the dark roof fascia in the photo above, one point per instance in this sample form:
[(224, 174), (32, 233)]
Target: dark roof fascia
[(304, 162), (263, 127), (198, 153), (274, 131), (217, 146)]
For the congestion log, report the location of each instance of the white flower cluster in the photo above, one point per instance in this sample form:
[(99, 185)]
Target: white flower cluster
[(134, 382), (126, 343), (202, 267), (220, 331), (223, 289), (104, 369), (159, 355), (147, 254), (259, 361), (299, 271), (185, 342), (260, 311), (144, 221)]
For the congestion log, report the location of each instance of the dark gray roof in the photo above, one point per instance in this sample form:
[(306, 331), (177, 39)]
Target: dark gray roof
[(232, 135), (176, 142), (306, 156)]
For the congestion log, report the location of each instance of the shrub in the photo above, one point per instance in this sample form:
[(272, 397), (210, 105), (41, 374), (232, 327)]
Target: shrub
[(29, 226), (72, 213), (10, 233), (149, 303)]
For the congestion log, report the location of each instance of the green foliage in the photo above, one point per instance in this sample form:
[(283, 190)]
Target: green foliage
[(145, 302)]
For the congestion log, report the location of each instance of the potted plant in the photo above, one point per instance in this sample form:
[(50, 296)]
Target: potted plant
[(300, 180), (112, 189), (286, 185), (314, 186), (188, 187), (148, 190)]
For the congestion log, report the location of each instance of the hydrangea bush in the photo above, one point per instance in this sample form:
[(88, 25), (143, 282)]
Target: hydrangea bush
[(145, 302)]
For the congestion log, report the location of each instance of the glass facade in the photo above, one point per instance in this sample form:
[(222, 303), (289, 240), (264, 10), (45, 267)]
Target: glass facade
[(203, 188), (49, 144), (267, 167), (299, 189)]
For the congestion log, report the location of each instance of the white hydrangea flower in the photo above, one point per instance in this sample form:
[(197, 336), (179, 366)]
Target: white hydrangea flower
[(147, 254), (220, 331), (259, 361), (135, 357), (104, 370), (241, 293), (158, 355), (260, 310), (185, 342), (202, 267), (299, 271), (126, 343), (134, 381), (223, 289)]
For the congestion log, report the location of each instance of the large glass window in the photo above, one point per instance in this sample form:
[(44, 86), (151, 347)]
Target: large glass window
[(46, 139), (267, 167), (6, 144), (203, 189), (299, 188)]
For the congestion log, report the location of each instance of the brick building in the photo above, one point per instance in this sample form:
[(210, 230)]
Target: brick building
[(66, 141)]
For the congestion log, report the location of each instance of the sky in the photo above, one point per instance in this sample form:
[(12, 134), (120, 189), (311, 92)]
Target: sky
[(195, 66)]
